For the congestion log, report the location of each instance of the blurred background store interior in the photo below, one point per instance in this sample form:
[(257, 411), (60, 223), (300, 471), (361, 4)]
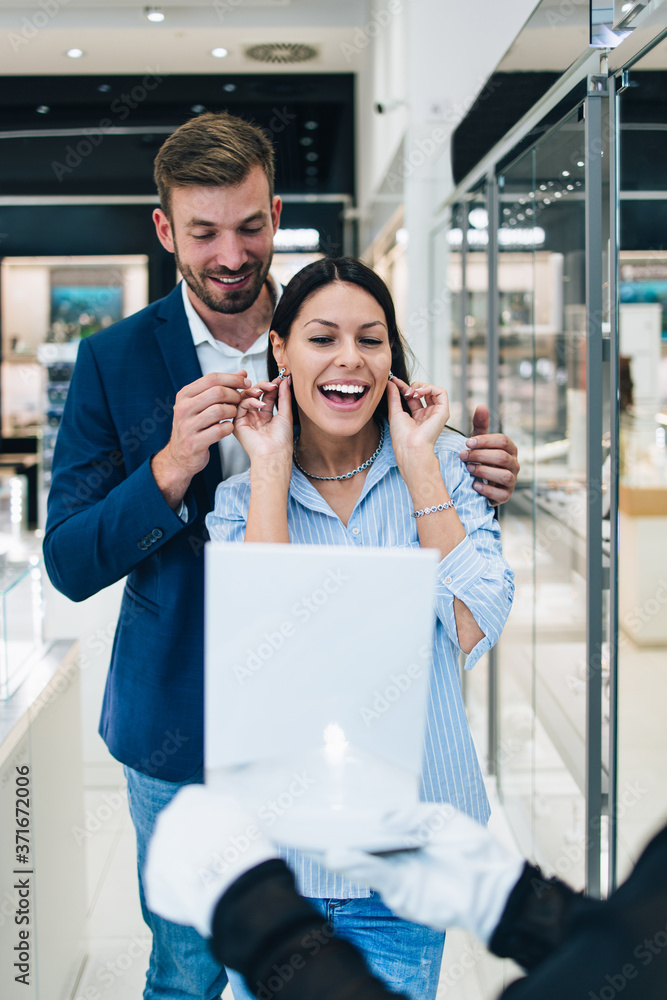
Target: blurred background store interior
[(502, 167)]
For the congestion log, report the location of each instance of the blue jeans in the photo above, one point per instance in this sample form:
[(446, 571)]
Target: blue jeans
[(181, 966), (405, 956)]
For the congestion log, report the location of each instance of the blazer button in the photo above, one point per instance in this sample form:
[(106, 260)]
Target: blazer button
[(156, 533)]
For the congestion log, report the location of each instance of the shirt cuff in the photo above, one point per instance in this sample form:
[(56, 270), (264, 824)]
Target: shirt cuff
[(183, 512), (461, 568)]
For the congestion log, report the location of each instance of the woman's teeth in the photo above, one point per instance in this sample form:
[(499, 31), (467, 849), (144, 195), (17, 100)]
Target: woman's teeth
[(343, 388)]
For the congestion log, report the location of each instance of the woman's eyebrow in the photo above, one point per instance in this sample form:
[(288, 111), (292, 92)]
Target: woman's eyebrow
[(328, 322)]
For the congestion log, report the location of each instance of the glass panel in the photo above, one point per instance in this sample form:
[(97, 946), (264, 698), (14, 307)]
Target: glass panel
[(642, 551), (477, 297), (454, 268), (542, 654)]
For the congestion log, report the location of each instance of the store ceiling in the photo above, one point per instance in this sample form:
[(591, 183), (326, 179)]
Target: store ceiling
[(552, 38), (117, 38)]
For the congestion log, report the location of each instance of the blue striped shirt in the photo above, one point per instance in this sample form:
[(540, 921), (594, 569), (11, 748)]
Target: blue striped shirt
[(474, 571)]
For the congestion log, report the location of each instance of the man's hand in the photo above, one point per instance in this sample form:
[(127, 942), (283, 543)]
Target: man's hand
[(198, 411), (491, 457)]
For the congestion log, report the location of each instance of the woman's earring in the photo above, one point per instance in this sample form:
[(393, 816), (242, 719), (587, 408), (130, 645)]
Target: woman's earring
[(391, 375), (281, 373)]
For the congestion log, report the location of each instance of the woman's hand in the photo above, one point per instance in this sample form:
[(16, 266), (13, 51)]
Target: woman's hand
[(413, 434), (266, 435)]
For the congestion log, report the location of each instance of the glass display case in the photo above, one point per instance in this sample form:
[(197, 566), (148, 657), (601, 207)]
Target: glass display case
[(21, 640), (520, 272)]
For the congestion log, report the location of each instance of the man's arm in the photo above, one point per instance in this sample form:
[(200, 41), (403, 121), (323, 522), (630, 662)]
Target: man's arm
[(491, 457), (103, 520)]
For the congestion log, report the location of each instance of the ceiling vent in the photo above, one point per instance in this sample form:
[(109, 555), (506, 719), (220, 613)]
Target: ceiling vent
[(281, 53)]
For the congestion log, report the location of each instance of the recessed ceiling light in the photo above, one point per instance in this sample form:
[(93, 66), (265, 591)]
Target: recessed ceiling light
[(219, 53), (565, 173), (104, 88), (198, 108), (626, 7), (229, 87), (310, 125), (580, 163), (43, 109), (154, 14), (74, 53)]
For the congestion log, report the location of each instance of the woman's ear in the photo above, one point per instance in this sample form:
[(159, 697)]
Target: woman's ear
[(278, 345)]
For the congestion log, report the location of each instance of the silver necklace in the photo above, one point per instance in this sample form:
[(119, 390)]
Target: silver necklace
[(346, 475)]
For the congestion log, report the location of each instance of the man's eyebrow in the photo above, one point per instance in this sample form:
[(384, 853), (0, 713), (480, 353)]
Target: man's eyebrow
[(328, 322), (261, 214), (191, 223)]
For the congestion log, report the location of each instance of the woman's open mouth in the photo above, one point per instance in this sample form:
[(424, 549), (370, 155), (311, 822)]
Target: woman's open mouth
[(344, 395)]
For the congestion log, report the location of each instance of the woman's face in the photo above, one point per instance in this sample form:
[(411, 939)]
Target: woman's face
[(339, 357)]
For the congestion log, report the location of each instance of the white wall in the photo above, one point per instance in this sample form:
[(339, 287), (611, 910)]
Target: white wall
[(436, 57)]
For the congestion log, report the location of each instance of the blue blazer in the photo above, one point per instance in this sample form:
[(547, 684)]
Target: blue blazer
[(107, 519)]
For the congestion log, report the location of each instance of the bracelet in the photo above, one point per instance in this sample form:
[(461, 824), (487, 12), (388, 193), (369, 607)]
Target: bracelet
[(432, 510)]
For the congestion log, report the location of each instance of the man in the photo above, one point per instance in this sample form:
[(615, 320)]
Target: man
[(210, 865), (145, 439)]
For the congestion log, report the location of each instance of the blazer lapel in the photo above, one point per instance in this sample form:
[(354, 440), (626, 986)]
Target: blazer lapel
[(180, 356)]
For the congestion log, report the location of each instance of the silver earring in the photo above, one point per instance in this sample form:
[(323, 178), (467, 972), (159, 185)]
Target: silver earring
[(281, 373), (391, 375)]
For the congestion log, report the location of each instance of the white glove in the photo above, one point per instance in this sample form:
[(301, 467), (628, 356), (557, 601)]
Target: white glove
[(460, 876), (202, 842)]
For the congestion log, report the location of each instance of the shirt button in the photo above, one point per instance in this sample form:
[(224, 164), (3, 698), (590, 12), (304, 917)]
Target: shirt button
[(355, 531), (448, 579)]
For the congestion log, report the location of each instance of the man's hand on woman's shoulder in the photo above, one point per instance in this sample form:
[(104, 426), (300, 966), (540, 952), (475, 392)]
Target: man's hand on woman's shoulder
[(491, 457)]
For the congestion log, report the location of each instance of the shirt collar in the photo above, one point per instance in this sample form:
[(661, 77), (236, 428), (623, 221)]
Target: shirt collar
[(202, 335), (303, 491)]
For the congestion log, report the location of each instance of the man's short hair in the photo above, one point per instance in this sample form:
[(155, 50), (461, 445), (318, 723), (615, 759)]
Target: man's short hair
[(212, 150)]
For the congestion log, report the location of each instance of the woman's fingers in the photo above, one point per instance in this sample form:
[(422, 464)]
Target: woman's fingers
[(249, 404), (394, 405), (285, 398), (403, 389)]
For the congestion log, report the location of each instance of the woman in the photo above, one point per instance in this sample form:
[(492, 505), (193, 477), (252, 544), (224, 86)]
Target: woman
[(354, 454)]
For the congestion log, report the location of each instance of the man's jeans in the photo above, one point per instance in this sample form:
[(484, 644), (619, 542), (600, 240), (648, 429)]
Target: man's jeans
[(405, 956), (181, 965)]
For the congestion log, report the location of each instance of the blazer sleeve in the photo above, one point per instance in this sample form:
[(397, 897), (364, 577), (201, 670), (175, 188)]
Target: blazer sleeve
[(102, 520)]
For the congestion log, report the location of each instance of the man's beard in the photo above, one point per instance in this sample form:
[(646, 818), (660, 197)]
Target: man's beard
[(230, 302)]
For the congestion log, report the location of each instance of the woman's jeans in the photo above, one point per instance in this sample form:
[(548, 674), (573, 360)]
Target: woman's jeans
[(404, 955)]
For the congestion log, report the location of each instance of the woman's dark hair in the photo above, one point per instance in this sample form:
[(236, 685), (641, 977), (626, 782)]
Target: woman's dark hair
[(325, 272)]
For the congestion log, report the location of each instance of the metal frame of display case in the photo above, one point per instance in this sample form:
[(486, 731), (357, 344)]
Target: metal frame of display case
[(597, 72)]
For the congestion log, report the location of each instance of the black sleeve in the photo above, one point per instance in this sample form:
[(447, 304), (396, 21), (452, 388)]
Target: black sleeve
[(583, 948), (281, 945)]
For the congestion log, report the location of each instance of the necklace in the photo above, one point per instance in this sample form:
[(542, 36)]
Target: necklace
[(346, 475)]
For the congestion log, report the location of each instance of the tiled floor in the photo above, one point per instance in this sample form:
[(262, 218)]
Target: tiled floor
[(118, 943)]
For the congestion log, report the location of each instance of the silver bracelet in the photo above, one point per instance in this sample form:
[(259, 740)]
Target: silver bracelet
[(432, 510)]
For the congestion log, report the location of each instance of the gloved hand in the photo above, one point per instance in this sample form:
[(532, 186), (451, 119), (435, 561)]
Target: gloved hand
[(202, 843), (459, 876)]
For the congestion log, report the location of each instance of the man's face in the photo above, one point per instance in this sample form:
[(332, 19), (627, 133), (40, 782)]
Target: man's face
[(222, 239)]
